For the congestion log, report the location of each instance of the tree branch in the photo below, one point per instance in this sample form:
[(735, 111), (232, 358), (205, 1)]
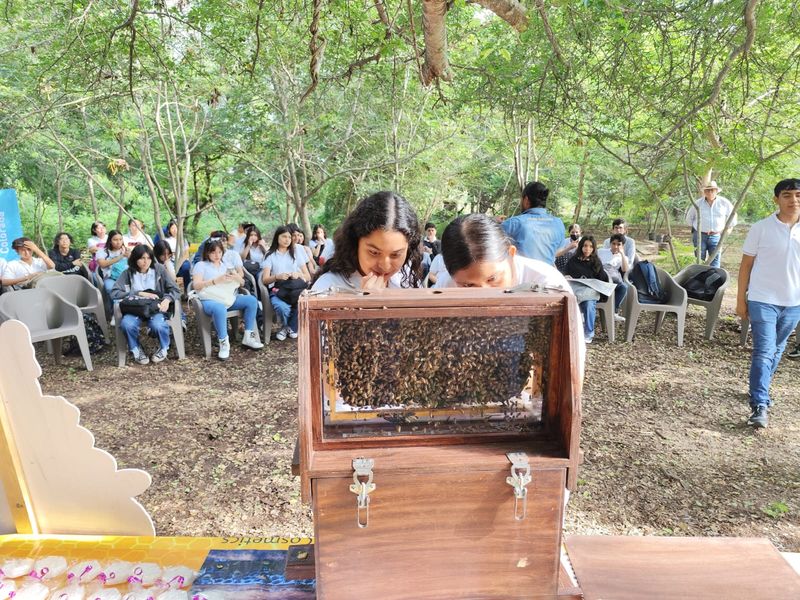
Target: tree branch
[(435, 32), (511, 11)]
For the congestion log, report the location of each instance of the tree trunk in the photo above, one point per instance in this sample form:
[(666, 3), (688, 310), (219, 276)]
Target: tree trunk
[(93, 198), (59, 192), (511, 11), (433, 27), (581, 180)]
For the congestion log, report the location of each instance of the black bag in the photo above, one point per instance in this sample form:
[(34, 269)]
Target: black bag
[(144, 308), (289, 290), (704, 285), (644, 278), (94, 334)]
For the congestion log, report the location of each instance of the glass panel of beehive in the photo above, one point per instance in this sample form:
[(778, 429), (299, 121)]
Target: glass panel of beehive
[(434, 376)]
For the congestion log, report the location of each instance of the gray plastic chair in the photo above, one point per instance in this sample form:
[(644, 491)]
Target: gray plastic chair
[(676, 303), (267, 312), (78, 291), (122, 341), (712, 306), (204, 323), (608, 316), (48, 317)]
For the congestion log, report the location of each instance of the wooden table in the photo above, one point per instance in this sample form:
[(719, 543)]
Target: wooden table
[(670, 568)]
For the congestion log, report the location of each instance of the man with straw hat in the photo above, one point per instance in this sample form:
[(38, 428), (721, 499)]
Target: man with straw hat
[(708, 216)]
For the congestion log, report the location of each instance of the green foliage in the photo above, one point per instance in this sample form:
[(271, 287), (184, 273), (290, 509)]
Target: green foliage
[(631, 101), (776, 510)]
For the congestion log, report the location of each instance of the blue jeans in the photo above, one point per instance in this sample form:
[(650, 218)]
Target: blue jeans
[(588, 310), (219, 313), (619, 295), (184, 272), (287, 314), (157, 323), (771, 326), (708, 243)]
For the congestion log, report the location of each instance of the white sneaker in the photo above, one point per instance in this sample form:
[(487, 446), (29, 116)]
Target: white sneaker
[(113, 322), (224, 349), (619, 318), (140, 357), (293, 334), (159, 356), (281, 335), (250, 340)]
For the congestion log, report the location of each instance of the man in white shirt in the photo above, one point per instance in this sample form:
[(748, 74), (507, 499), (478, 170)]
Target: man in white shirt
[(708, 216), (769, 291), (620, 226), (20, 273)]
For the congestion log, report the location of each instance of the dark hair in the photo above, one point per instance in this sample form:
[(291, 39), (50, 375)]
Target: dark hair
[(168, 225), (247, 233), (19, 242), (536, 193), (429, 225), (273, 247), (219, 234), (618, 221), (211, 245), (381, 210), (161, 247), (571, 227), (316, 228), (137, 253), (246, 225), (58, 237), (110, 237), (787, 184), (132, 220), (594, 260), (617, 237), (473, 238), (94, 227)]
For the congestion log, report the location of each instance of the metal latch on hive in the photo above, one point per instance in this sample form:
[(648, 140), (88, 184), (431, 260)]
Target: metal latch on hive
[(362, 470), (519, 480)]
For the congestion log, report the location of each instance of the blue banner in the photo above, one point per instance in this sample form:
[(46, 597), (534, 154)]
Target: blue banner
[(10, 223)]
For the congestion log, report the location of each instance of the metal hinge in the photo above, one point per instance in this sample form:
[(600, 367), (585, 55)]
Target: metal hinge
[(362, 469), (520, 478)]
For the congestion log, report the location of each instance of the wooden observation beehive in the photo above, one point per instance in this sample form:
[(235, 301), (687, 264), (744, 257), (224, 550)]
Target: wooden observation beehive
[(438, 431)]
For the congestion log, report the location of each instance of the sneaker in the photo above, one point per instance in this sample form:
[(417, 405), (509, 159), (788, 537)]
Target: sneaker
[(113, 322), (794, 353), (619, 318), (224, 349), (588, 339), (759, 417), (159, 356), (139, 356), (293, 334), (281, 335), (250, 340)]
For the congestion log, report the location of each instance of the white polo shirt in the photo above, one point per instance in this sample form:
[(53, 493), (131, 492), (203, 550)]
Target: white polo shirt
[(282, 262), (352, 281), (15, 269), (775, 278)]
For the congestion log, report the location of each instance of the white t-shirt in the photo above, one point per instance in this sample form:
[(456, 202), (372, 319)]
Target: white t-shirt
[(139, 238), (15, 269), (107, 254), (775, 278), (528, 270), (437, 265), (3, 263), (143, 281), (208, 270), (95, 242), (282, 262), (232, 259), (609, 258), (173, 244), (629, 249), (256, 254), (328, 250), (353, 281)]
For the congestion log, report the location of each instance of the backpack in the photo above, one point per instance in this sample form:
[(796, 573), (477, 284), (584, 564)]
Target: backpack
[(94, 334), (704, 285), (644, 278)]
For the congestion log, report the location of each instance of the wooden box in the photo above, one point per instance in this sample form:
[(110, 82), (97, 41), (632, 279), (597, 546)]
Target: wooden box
[(438, 430)]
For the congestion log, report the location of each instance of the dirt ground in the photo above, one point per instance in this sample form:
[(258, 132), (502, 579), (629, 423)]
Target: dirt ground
[(667, 451)]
